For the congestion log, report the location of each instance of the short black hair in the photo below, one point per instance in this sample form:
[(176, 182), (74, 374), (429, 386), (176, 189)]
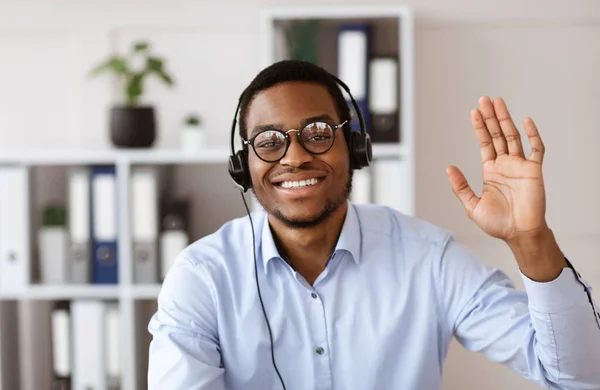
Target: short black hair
[(288, 71)]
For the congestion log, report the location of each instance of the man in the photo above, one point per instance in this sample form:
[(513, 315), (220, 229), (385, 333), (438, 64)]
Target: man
[(361, 296)]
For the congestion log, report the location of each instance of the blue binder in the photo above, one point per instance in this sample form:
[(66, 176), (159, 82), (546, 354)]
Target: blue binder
[(353, 54), (103, 213)]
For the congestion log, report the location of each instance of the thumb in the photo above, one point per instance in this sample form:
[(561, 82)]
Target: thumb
[(462, 190)]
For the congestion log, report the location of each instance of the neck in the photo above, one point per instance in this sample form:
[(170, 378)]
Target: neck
[(309, 249)]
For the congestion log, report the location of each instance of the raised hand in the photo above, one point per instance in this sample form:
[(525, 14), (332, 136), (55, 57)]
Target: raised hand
[(513, 200), (512, 205)]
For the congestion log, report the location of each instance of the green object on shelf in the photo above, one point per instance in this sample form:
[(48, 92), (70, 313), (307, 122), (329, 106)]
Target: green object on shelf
[(122, 66), (54, 215), (193, 120), (301, 38)]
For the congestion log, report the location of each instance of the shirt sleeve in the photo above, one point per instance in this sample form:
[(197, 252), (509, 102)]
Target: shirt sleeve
[(184, 351), (550, 334)]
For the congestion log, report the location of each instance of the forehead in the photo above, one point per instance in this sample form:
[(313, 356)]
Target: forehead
[(289, 103)]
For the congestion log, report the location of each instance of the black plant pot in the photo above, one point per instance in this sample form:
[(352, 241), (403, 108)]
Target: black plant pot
[(132, 127)]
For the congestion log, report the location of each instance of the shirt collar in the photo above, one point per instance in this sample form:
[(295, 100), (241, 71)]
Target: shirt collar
[(349, 241)]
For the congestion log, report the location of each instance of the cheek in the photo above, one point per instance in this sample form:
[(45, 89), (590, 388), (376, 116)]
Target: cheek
[(258, 169), (342, 160)]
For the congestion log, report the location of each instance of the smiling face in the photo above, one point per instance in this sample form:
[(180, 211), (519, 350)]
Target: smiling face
[(300, 190)]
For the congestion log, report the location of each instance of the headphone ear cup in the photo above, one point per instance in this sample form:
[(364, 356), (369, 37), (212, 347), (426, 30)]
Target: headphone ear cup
[(238, 171), (361, 150)]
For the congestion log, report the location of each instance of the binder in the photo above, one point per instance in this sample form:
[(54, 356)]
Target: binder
[(174, 235), (104, 225), (391, 184), (145, 211), (113, 343), (361, 186), (78, 214), (14, 228), (353, 52), (88, 327), (61, 346), (383, 100)]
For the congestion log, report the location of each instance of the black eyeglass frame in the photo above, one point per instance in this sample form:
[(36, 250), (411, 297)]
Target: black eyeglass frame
[(288, 140)]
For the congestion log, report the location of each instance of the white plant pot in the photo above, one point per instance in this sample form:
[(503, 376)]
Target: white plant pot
[(52, 245), (192, 138)]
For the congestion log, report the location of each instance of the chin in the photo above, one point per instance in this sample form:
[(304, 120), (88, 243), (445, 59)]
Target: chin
[(303, 216)]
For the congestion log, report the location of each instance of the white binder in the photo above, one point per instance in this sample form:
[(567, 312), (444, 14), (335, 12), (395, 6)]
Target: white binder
[(88, 326), (361, 186), (78, 211), (113, 345), (61, 342), (145, 215), (14, 228), (392, 184), (384, 100)]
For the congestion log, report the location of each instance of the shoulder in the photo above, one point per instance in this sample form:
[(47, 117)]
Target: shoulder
[(208, 260), (226, 243), (384, 221)]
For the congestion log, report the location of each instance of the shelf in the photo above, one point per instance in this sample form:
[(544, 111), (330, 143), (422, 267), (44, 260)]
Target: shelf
[(113, 156), (60, 292), (147, 291), (334, 12)]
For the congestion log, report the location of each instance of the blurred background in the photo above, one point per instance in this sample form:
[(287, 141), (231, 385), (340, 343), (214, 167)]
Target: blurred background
[(115, 121)]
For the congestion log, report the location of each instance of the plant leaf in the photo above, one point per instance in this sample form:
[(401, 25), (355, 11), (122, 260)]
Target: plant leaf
[(166, 78), (155, 64), (140, 46), (133, 88), (115, 63), (119, 65)]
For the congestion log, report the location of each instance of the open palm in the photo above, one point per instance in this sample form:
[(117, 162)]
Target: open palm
[(513, 200)]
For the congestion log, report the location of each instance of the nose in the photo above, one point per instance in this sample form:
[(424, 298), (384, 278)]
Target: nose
[(296, 155)]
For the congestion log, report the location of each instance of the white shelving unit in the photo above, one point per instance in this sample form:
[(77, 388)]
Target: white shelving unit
[(126, 292), (402, 21)]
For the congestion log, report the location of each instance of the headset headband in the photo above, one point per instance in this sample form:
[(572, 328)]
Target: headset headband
[(340, 82)]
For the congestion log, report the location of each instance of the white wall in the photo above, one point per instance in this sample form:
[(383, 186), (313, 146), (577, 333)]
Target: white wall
[(541, 56)]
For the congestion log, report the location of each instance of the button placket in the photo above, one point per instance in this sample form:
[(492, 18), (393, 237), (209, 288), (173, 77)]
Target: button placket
[(319, 338)]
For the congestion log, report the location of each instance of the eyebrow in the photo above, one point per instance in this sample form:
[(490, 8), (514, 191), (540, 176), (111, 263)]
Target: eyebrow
[(279, 126)]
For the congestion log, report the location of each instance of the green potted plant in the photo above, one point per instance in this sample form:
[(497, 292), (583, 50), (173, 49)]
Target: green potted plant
[(192, 133), (133, 125), (52, 244)]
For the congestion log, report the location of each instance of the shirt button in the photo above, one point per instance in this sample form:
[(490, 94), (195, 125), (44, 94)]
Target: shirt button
[(320, 351), (313, 295)]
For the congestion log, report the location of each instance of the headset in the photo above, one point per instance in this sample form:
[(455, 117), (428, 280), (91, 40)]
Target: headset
[(361, 155), (359, 147)]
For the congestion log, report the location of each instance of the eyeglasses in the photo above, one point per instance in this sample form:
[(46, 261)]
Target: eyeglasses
[(316, 138)]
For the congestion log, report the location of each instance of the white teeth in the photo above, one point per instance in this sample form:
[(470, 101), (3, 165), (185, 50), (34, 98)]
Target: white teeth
[(299, 184)]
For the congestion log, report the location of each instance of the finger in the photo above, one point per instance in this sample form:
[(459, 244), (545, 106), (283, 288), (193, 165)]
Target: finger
[(537, 146), (486, 147), (513, 138), (462, 190), (489, 116)]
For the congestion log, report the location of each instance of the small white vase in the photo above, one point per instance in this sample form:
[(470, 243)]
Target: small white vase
[(192, 139), (52, 242)]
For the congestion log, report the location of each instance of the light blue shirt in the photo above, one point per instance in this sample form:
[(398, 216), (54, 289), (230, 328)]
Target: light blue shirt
[(380, 316)]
